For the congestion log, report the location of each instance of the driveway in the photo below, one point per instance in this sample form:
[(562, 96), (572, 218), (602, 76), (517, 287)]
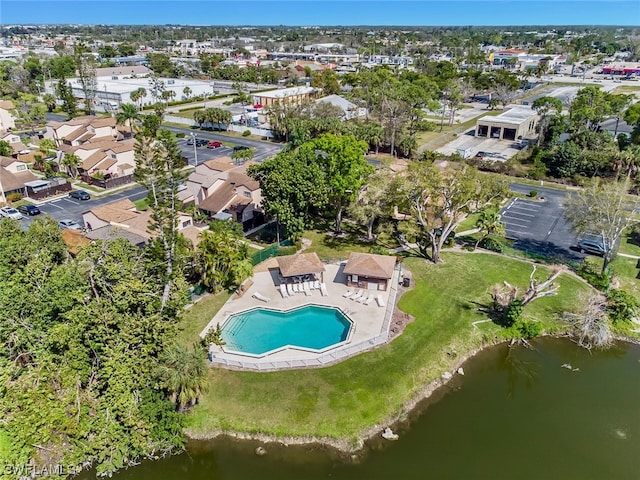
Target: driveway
[(538, 226)]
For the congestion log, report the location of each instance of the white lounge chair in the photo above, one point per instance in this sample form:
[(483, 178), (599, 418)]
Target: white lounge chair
[(357, 295), (380, 301), (290, 289), (362, 298), (316, 284), (283, 290), (368, 300), (295, 288), (348, 293), (306, 289), (323, 289), (261, 297)]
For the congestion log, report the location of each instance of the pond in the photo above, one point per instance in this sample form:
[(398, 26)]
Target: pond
[(516, 413)]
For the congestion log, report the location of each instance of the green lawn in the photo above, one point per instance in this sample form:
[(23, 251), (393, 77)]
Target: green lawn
[(343, 400), (330, 248), (468, 223), (628, 244), (197, 317)]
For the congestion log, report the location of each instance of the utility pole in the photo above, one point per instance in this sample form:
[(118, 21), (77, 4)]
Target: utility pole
[(195, 149)]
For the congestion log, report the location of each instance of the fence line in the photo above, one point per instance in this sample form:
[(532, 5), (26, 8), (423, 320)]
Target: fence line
[(333, 356)]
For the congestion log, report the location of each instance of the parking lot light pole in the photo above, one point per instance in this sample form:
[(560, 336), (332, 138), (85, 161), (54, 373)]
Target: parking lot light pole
[(195, 148)]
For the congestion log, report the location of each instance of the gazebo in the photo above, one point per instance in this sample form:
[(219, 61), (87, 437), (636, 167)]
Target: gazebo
[(366, 270), (300, 267)]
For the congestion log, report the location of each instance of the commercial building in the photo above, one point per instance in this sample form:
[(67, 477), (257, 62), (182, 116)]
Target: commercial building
[(516, 123), (289, 96)]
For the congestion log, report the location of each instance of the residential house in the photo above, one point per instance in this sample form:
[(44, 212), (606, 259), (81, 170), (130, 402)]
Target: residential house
[(109, 158), (121, 219), (16, 144), (14, 174), (289, 96), (7, 121), (220, 187), (350, 110), (79, 130)]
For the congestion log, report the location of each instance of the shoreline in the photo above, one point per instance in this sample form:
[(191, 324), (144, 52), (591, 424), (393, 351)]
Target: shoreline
[(346, 446)]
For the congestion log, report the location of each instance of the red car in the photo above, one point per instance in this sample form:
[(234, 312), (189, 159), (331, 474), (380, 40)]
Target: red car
[(214, 144)]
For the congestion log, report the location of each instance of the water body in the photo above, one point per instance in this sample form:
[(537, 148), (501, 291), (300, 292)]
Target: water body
[(516, 414)]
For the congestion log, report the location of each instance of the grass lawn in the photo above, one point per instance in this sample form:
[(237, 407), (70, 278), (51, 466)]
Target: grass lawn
[(197, 317), (628, 244), (343, 400), (330, 248), (468, 223)]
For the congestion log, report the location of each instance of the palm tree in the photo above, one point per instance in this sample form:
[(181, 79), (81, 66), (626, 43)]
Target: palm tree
[(187, 92), (241, 156), (489, 223), (50, 101), (137, 95), (127, 114), (200, 116), (184, 374), (71, 161)]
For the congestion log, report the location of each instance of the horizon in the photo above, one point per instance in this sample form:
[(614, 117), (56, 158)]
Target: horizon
[(322, 13)]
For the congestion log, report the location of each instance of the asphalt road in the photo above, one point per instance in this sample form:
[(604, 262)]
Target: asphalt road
[(262, 150), (70, 208), (538, 226)]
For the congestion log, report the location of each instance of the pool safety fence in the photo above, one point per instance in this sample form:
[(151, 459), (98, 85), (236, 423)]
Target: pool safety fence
[(334, 355)]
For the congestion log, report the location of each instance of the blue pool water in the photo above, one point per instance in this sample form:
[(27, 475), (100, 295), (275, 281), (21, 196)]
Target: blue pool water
[(260, 330)]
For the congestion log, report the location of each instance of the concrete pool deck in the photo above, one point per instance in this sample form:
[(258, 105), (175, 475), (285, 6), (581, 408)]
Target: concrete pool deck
[(371, 322)]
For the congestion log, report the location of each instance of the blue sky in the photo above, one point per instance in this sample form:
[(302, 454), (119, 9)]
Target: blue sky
[(323, 12)]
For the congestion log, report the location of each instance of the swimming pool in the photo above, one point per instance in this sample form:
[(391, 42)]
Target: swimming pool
[(260, 330)]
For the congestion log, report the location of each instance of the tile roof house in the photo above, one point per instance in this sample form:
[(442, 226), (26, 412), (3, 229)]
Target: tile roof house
[(111, 158), (14, 174), (220, 186), (122, 219), (82, 129)]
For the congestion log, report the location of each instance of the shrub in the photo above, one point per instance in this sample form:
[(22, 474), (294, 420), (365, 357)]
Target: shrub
[(246, 133), (621, 306), (14, 197), (180, 135), (590, 271), (533, 194), (527, 329), (513, 313), (492, 244)]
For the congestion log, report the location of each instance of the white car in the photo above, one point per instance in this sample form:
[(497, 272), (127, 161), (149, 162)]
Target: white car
[(10, 212), (69, 224)]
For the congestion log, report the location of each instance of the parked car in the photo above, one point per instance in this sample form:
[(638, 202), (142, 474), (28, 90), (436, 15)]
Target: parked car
[(214, 144), (10, 212), (201, 142), (69, 224), (590, 246), (79, 195), (29, 210), (240, 147)]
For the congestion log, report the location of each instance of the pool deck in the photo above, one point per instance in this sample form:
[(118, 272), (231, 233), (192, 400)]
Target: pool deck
[(371, 322)]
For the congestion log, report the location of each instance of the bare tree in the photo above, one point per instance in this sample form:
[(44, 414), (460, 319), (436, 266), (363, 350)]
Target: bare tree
[(605, 211), (88, 80), (590, 325), (504, 295)]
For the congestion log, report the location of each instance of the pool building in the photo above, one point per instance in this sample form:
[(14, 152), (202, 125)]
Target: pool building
[(298, 312)]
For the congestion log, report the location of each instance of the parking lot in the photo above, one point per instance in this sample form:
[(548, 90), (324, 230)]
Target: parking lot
[(538, 226), (203, 154)]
